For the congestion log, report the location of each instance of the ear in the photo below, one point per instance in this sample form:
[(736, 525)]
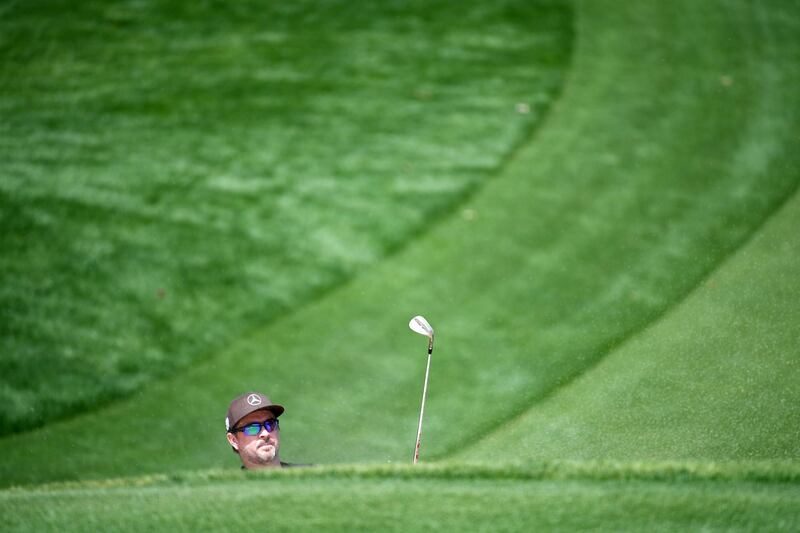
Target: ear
[(232, 441)]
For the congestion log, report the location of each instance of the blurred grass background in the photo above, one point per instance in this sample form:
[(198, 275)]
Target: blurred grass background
[(594, 203)]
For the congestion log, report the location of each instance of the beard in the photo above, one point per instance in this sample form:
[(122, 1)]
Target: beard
[(262, 453)]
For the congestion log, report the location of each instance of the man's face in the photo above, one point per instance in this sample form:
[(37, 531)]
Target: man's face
[(257, 450)]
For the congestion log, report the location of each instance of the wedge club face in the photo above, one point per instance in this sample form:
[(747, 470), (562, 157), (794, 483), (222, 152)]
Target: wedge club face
[(419, 325)]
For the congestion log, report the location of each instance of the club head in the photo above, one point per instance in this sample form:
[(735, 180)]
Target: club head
[(419, 325)]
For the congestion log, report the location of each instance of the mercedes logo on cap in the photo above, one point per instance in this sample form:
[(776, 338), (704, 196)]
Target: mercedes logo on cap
[(254, 399)]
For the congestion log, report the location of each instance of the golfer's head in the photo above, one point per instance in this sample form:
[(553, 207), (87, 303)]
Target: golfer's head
[(253, 431)]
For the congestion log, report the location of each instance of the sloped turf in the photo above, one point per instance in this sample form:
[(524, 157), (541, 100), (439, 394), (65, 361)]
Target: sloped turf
[(717, 378), (673, 142), (519, 497), (175, 173)]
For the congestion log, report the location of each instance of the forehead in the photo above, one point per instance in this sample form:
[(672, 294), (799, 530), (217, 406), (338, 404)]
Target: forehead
[(256, 416)]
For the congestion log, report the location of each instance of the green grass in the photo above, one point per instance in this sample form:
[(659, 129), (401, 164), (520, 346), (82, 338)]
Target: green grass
[(617, 209), (552, 497), (175, 174), (335, 505), (716, 378), (620, 287)]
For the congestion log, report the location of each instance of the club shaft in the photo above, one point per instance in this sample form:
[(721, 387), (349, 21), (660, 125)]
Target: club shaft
[(422, 408)]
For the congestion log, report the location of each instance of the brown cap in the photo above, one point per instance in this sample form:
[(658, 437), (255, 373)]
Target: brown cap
[(243, 405)]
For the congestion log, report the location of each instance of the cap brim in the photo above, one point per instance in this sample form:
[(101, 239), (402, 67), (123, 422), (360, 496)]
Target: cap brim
[(276, 409)]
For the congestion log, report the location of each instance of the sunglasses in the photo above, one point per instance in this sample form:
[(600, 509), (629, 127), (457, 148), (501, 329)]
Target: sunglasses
[(251, 430)]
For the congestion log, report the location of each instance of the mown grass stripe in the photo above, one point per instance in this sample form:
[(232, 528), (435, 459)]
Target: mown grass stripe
[(569, 381), (767, 116), (716, 378)]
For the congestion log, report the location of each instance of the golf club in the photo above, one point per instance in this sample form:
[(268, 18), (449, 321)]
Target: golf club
[(419, 325)]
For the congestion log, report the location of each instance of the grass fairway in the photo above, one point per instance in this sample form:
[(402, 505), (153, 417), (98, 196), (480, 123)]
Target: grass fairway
[(617, 209), (619, 283), (514, 498), (715, 379), (175, 174)]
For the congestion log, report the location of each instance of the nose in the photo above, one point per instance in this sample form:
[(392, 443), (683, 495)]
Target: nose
[(264, 434)]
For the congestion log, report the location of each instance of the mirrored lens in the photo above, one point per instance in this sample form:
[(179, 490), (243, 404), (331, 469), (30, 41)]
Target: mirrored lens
[(251, 430)]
